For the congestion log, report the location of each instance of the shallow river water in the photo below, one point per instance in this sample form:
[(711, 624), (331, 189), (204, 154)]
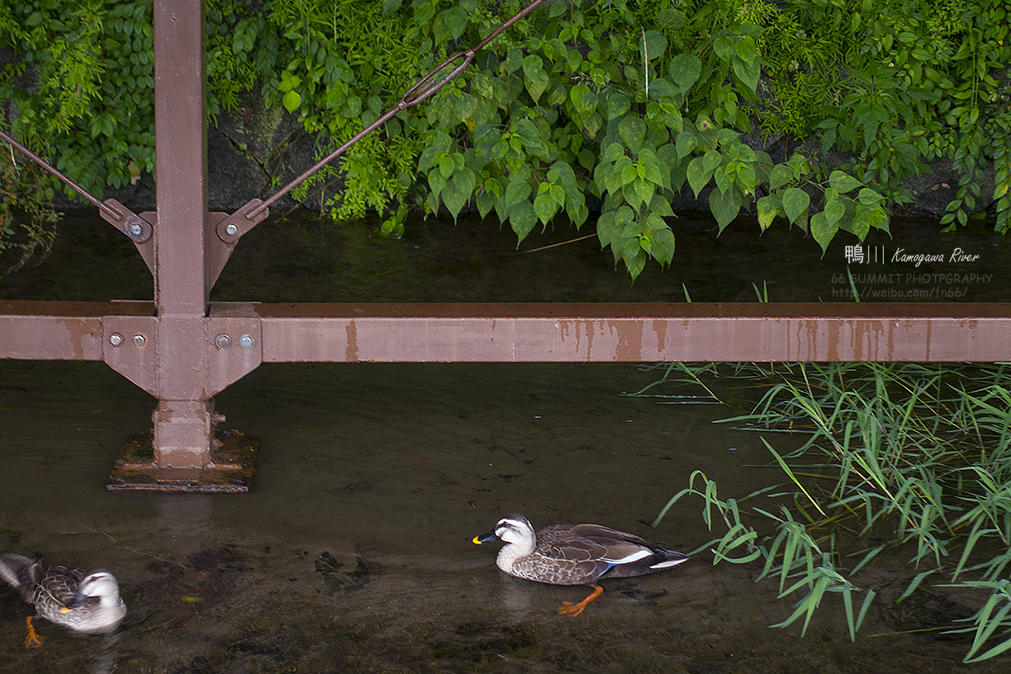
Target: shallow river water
[(352, 552)]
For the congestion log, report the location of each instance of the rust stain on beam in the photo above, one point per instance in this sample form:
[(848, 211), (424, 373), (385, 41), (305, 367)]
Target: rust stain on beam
[(634, 332), (58, 330), (512, 333)]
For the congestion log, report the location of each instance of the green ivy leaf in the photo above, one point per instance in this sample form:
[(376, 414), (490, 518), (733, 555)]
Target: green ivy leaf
[(869, 197), (522, 219), (725, 176), (454, 199), (632, 131), (834, 211), (724, 47), (654, 173), (517, 191), (632, 197), (655, 45), (465, 180), (291, 101), (577, 212), (747, 49), (447, 165), (660, 206), (747, 72), (611, 224), (685, 70), (617, 105), (779, 176), (464, 106), (557, 194), (436, 182), (535, 77), (725, 206), (843, 182), (452, 21), (711, 160), (768, 208), (644, 189), (485, 201), (795, 202), (822, 230), (698, 177), (860, 226), (635, 262), (686, 142), (662, 248), (545, 207), (613, 152)]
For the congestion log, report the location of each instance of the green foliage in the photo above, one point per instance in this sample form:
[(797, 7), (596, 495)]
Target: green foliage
[(904, 457), (631, 102), (27, 219), (922, 81)]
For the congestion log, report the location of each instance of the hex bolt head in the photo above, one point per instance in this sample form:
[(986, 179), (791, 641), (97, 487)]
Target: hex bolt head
[(115, 339), (231, 230), (136, 229), (246, 341), (139, 340), (222, 341)]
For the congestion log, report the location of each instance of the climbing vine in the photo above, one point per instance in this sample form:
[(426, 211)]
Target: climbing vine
[(27, 217), (627, 103)]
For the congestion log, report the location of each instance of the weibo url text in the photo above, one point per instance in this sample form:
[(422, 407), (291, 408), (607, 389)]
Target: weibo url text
[(934, 293)]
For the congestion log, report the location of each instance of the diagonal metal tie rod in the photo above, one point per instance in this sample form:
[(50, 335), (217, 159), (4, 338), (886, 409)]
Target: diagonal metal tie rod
[(426, 87), (107, 211)]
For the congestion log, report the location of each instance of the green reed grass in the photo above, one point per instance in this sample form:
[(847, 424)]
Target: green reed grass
[(912, 455)]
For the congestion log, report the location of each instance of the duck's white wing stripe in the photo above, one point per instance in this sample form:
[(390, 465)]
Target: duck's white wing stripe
[(668, 564), (628, 559)]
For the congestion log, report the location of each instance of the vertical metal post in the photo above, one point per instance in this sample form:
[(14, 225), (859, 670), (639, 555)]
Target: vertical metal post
[(183, 427)]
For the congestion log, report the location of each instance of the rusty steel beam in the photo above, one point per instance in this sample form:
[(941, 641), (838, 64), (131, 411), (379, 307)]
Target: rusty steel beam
[(238, 336), (31, 330), (170, 360), (635, 332)]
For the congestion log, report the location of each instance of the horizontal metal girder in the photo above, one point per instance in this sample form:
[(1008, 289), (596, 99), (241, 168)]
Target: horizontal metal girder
[(601, 332), (597, 332)]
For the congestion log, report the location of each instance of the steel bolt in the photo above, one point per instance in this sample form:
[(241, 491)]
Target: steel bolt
[(246, 341), (115, 339), (136, 229), (231, 230), (139, 340), (222, 341)]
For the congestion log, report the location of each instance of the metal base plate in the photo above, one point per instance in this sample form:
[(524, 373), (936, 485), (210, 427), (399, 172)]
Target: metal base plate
[(233, 462)]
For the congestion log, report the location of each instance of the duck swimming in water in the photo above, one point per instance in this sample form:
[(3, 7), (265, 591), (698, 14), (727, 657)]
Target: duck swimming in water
[(575, 554), (87, 603)]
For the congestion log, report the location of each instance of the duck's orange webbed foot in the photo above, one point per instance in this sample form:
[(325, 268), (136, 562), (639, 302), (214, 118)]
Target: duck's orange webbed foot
[(32, 640), (572, 610)]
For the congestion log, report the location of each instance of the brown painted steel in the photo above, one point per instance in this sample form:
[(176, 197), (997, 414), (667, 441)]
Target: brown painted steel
[(635, 332), (176, 347), (237, 336)]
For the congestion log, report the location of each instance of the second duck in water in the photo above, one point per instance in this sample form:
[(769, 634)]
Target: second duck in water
[(87, 603), (575, 554)]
